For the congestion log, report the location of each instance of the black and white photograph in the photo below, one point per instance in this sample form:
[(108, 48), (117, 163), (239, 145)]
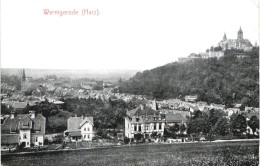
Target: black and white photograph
[(130, 82)]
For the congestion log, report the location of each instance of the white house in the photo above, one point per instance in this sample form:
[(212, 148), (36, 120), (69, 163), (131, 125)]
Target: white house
[(80, 129), (145, 121)]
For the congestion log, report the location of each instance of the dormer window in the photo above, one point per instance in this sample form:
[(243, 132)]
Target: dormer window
[(137, 119), (160, 118), (26, 124), (155, 118)]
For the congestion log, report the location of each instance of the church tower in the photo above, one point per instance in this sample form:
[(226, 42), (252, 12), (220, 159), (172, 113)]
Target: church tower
[(23, 79), (224, 37), (240, 34)]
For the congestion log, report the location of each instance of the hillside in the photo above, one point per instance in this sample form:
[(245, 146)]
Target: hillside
[(227, 80)]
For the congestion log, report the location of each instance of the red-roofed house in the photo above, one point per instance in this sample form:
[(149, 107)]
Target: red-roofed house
[(80, 129)]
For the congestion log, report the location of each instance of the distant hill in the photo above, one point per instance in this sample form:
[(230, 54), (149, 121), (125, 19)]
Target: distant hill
[(227, 80), (109, 75)]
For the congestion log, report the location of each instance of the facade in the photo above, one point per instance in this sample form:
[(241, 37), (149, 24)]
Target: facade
[(191, 98), (217, 106), (80, 129), (25, 130), (239, 43), (143, 120)]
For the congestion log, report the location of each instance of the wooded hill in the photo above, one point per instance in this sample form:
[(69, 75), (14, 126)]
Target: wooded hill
[(227, 80)]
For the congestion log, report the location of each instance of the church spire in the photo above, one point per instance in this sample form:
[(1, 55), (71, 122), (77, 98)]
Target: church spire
[(240, 30), (224, 37), (23, 75), (240, 34)]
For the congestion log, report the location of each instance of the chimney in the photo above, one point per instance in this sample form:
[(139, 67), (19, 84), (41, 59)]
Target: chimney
[(32, 114), (12, 115)]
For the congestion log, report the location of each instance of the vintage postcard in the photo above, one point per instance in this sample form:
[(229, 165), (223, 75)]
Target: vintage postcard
[(127, 82)]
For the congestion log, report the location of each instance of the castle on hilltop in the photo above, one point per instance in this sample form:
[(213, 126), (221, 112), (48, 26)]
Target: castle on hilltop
[(216, 52), (239, 43)]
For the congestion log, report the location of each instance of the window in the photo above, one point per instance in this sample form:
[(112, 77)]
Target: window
[(24, 136), (27, 143), (88, 128), (154, 127), (26, 124), (137, 119), (160, 126), (84, 129), (128, 125), (147, 127), (36, 139), (140, 129), (84, 136), (134, 127), (88, 136)]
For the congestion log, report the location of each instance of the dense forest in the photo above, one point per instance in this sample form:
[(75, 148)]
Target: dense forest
[(227, 80)]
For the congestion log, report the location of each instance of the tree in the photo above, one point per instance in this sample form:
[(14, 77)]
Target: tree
[(253, 123), (238, 124), (213, 80), (175, 129), (182, 128), (222, 127), (196, 126), (138, 136)]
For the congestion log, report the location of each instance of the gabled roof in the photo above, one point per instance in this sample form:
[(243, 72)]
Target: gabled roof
[(74, 123), (217, 105), (175, 118), (138, 112), (87, 119), (22, 122), (19, 105)]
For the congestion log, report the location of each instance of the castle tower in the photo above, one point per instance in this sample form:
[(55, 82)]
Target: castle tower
[(240, 34)]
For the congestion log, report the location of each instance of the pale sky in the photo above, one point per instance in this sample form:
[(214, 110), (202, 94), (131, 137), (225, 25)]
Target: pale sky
[(128, 34)]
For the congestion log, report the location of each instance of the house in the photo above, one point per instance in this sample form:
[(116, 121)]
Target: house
[(19, 105), (202, 106), (175, 118), (25, 130), (251, 111), (231, 111), (80, 129), (217, 106), (191, 98), (143, 120)]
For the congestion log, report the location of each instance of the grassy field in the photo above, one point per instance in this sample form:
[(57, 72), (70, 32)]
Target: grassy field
[(225, 153)]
